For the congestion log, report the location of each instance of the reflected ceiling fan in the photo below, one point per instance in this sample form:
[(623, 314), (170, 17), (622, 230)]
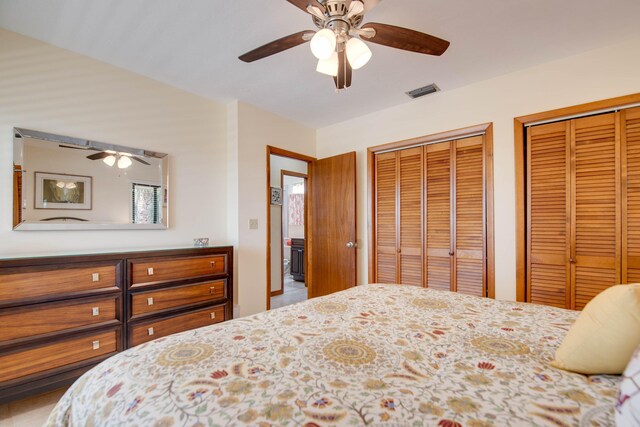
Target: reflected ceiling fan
[(338, 43), (110, 157)]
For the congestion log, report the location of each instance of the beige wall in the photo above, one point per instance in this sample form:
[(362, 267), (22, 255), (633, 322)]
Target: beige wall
[(53, 90), (256, 129), (278, 164), (599, 74)]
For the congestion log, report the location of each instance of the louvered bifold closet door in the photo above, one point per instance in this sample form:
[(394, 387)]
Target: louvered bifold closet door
[(438, 211), (469, 230), (631, 214), (410, 216), (386, 220), (595, 217), (548, 208)]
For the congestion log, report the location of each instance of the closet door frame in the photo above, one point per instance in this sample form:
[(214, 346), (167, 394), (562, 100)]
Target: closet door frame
[(487, 130), (520, 124)]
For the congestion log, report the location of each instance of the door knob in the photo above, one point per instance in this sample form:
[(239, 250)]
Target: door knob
[(351, 245)]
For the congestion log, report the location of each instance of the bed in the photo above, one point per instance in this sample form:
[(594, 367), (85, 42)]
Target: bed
[(370, 355)]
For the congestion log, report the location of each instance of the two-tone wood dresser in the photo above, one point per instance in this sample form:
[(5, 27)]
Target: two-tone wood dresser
[(62, 315)]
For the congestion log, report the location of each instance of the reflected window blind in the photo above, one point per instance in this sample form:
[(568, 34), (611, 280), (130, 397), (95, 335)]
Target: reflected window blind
[(145, 204)]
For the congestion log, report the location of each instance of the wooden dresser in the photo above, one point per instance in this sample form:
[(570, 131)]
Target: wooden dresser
[(60, 316)]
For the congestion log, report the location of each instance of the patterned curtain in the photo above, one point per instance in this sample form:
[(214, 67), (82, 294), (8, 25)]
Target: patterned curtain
[(296, 209)]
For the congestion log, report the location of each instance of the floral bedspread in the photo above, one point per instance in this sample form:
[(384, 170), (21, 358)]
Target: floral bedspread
[(371, 355)]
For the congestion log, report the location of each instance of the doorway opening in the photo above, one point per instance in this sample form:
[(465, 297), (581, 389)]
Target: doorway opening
[(292, 286), (288, 220)]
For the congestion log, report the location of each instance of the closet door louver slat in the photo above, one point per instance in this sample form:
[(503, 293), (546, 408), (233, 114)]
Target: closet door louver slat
[(438, 210), (386, 224), (469, 217), (595, 215), (410, 171), (548, 205)]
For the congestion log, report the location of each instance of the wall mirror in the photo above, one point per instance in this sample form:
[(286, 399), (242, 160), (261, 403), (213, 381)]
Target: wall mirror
[(66, 183)]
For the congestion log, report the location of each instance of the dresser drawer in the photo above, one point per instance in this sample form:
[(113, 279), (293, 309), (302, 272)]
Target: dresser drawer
[(162, 299), (47, 282), (149, 271), (40, 319), (56, 355), (148, 331)]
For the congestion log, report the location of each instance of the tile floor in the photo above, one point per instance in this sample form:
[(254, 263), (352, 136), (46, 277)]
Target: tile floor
[(293, 292), (30, 412)]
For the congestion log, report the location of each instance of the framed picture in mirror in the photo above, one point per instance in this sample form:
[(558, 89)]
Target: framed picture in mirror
[(62, 191)]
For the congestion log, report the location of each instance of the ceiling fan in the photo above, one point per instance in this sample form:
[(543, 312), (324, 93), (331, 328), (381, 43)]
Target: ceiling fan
[(338, 43), (110, 157)]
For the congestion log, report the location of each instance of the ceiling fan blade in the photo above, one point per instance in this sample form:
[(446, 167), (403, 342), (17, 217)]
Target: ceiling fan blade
[(138, 159), (276, 46), (302, 4), (343, 79), (406, 39), (98, 156)]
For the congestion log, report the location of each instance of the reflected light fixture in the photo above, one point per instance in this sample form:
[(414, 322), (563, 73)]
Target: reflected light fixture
[(66, 185), (110, 160), (124, 162)]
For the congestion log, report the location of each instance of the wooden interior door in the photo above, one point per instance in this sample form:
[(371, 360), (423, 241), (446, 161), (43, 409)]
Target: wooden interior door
[(548, 208), (386, 220), (596, 205), (410, 222), (333, 225), (469, 213), (631, 195), (438, 220), (17, 194)]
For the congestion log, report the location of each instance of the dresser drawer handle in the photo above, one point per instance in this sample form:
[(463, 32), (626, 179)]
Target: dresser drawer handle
[(95, 277), (213, 264), (212, 290), (213, 315), (150, 271), (150, 331), (150, 301), (95, 311), (96, 345)]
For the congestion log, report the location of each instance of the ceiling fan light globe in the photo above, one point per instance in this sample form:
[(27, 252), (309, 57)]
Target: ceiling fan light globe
[(109, 160), (124, 162), (358, 53), (329, 66), (323, 44)]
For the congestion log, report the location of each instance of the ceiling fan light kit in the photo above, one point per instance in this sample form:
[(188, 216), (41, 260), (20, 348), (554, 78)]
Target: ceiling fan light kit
[(358, 53), (338, 43), (323, 44), (329, 66)]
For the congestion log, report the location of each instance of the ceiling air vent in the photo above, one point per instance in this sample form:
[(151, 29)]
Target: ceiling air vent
[(422, 91)]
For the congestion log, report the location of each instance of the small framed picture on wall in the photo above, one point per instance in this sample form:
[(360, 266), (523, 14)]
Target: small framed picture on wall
[(276, 196)]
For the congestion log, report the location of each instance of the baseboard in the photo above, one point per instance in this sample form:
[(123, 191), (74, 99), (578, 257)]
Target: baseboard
[(276, 293)]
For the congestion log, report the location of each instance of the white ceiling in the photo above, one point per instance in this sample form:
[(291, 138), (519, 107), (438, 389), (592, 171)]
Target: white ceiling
[(194, 45)]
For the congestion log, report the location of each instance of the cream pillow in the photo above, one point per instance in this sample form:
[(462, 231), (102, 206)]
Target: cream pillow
[(604, 336)]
